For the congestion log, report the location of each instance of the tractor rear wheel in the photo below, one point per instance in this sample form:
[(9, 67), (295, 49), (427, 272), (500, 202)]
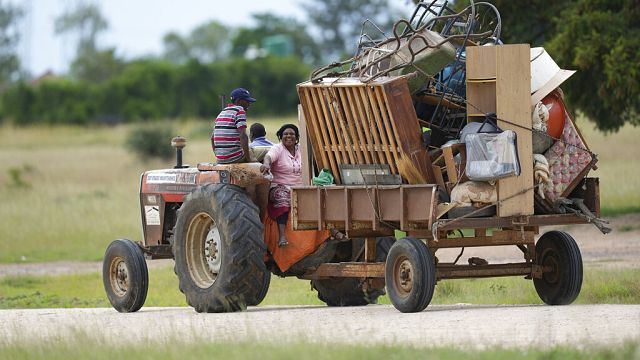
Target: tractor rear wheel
[(561, 284), (125, 276), (351, 291), (219, 249), (266, 281), (410, 274)]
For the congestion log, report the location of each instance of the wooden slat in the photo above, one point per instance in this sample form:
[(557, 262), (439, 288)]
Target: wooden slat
[(394, 144), (333, 123), (359, 120), (395, 133), (319, 131), (326, 138), (371, 124), (351, 119), (304, 148), (380, 129), (513, 88), (314, 132), (452, 174), (341, 109)]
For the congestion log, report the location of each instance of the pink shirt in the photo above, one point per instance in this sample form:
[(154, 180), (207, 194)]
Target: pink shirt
[(286, 168)]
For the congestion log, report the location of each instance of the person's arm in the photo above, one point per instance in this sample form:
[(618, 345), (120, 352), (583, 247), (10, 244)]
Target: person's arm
[(266, 164), (244, 143)]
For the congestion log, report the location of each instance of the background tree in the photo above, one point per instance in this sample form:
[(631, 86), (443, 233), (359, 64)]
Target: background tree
[(598, 38), (207, 43), (339, 23), (91, 64), (601, 39), (9, 36), (268, 25)]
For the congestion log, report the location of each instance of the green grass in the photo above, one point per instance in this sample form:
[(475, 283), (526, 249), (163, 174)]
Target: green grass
[(619, 286), (69, 191), (618, 167), (169, 349)]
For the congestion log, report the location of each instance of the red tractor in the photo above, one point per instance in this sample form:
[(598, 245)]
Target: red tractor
[(368, 135)]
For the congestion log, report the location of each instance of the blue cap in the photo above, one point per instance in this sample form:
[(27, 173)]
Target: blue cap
[(241, 93)]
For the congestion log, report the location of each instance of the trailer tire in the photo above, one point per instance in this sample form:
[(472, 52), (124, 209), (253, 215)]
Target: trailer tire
[(219, 249), (125, 276), (410, 274), (561, 285), (351, 291)]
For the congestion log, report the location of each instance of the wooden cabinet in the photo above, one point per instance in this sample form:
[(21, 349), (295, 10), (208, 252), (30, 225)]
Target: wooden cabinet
[(499, 80)]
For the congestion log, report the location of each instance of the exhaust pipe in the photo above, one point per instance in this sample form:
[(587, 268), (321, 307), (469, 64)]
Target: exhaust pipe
[(178, 143)]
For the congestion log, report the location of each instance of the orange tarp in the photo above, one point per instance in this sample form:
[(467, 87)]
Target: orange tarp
[(301, 243)]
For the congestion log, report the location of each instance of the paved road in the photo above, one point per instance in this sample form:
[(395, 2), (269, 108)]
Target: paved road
[(459, 325)]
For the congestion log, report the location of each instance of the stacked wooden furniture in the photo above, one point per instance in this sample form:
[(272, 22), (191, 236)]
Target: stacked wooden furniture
[(350, 122), (499, 80)]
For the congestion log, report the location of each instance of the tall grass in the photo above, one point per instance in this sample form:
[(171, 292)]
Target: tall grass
[(78, 189)]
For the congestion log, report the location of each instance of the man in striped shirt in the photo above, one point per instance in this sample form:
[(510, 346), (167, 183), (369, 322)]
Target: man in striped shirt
[(229, 138)]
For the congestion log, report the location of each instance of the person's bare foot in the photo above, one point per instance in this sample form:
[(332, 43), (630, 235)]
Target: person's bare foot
[(283, 242), (336, 234)]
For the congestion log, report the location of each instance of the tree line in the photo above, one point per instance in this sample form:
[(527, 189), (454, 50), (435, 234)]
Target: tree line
[(598, 38), (154, 90), (186, 79)]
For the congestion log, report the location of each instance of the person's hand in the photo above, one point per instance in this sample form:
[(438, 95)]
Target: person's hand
[(265, 168)]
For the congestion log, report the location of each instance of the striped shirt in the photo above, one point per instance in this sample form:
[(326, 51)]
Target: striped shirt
[(231, 121)]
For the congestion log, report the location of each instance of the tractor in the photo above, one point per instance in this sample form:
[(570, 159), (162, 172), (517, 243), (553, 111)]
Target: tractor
[(392, 138)]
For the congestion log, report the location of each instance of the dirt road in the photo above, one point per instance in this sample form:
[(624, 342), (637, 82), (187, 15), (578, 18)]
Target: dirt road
[(457, 325), (440, 325)]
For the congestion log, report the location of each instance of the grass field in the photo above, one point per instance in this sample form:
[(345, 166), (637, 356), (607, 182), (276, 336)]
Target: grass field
[(85, 290), (69, 191), (80, 349)]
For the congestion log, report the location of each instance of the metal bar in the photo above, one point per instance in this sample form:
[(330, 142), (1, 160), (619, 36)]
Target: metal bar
[(499, 238), (350, 269), (448, 271), (534, 220), (370, 249)]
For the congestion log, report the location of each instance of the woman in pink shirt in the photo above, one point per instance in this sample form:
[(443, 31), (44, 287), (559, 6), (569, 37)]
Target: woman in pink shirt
[(285, 163)]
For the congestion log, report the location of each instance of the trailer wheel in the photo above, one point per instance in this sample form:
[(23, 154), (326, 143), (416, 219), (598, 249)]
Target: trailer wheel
[(560, 285), (410, 274), (351, 291), (125, 276), (219, 249)]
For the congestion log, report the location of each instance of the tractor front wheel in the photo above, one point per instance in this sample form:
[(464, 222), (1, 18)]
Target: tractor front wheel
[(125, 276)]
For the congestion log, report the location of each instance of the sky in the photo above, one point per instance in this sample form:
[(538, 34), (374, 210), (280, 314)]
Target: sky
[(136, 27)]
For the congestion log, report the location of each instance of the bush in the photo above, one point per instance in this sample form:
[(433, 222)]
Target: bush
[(151, 141)]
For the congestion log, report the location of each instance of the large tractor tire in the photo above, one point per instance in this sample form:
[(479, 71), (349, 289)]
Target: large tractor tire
[(351, 291), (219, 249), (410, 274), (561, 285), (125, 276)]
